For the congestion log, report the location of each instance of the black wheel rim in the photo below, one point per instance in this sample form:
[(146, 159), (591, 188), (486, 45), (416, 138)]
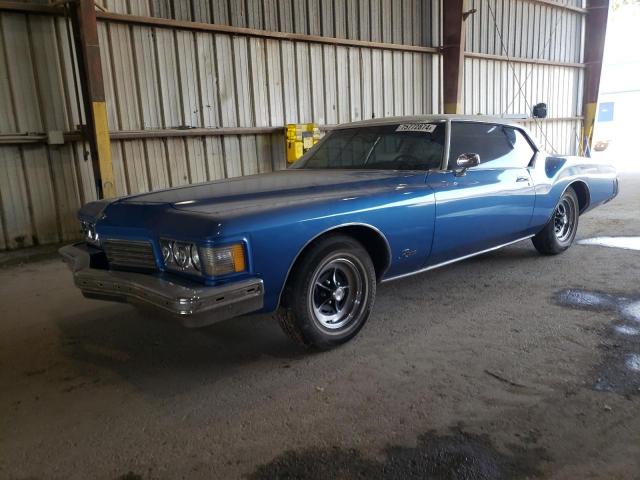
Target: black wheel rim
[(564, 219), (337, 293)]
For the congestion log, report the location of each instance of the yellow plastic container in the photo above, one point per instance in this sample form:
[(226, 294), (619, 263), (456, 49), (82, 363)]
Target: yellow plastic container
[(300, 137)]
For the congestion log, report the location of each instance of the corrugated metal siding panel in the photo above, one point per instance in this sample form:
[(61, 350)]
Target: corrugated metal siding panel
[(13, 194), (353, 19), (40, 186), (556, 136), (526, 29), (159, 78), (572, 3), (495, 87), (209, 80)]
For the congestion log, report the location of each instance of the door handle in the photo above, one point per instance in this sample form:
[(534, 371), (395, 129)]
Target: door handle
[(522, 179)]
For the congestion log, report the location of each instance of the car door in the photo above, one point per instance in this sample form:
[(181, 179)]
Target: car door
[(489, 204)]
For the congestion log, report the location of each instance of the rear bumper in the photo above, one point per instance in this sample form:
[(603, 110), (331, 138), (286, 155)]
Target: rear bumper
[(194, 304)]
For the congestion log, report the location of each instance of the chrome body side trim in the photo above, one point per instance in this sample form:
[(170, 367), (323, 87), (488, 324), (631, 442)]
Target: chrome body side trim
[(182, 298), (454, 260)]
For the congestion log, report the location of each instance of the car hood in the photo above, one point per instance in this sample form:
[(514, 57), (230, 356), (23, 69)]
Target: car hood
[(257, 193)]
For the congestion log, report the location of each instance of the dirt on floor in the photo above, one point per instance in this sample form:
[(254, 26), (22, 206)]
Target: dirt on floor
[(508, 365)]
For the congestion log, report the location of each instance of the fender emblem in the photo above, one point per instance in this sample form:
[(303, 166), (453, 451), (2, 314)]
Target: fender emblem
[(407, 252)]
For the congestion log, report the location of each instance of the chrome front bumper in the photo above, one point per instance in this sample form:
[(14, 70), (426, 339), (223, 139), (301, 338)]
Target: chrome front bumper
[(182, 298)]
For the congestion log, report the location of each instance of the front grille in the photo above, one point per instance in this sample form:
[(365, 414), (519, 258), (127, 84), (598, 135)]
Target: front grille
[(127, 254)]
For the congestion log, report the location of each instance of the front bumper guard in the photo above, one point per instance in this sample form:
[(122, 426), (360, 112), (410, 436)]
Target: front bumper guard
[(182, 298)]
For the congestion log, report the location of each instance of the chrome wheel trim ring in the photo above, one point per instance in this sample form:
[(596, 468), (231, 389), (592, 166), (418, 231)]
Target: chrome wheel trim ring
[(337, 292), (564, 219)]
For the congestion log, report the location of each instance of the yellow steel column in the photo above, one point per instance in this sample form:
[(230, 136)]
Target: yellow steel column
[(103, 148), (89, 66)]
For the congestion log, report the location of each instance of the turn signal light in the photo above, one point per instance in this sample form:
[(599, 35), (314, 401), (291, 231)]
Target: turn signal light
[(224, 260)]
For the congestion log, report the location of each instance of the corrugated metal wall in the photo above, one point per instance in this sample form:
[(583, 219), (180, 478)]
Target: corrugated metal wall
[(407, 22), (40, 186), (527, 30), (160, 78)]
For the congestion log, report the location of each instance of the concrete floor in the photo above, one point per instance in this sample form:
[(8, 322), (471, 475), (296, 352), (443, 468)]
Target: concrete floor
[(485, 369)]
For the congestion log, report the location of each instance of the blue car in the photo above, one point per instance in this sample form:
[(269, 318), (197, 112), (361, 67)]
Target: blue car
[(372, 202)]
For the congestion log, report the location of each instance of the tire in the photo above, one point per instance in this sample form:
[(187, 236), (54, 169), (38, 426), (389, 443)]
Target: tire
[(559, 232), (329, 294)]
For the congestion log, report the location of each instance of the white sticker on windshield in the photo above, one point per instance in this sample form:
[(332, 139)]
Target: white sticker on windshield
[(416, 127)]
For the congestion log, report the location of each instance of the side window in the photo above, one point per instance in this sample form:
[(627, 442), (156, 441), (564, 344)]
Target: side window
[(523, 152), (497, 145)]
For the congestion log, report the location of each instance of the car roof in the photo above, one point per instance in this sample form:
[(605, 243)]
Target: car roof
[(430, 118), (511, 122)]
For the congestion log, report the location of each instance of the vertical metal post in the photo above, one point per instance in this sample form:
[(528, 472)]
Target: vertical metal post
[(88, 52), (452, 54), (595, 30)]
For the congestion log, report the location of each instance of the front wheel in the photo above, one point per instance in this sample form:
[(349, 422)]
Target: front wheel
[(330, 293), (559, 233)]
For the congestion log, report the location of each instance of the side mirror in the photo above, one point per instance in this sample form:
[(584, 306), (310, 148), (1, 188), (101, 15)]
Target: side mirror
[(466, 161)]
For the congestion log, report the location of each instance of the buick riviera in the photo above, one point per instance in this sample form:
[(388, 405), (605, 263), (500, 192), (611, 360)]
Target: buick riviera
[(373, 201)]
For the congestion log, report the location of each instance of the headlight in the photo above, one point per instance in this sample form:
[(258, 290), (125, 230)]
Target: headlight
[(89, 232), (224, 260), (166, 253), (195, 257), (215, 261), (180, 256)]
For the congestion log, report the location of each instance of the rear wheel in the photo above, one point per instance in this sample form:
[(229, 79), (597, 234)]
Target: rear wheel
[(330, 293), (561, 229)]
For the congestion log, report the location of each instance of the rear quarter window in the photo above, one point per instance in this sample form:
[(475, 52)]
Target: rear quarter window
[(499, 146)]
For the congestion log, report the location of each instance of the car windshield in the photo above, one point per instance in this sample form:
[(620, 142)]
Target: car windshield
[(410, 146)]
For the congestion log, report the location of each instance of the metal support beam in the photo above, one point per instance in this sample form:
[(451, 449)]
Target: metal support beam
[(452, 54), (88, 51), (123, 135), (528, 61), (595, 30)]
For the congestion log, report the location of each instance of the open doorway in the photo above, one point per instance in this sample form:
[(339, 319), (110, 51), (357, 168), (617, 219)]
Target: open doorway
[(616, 130)]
